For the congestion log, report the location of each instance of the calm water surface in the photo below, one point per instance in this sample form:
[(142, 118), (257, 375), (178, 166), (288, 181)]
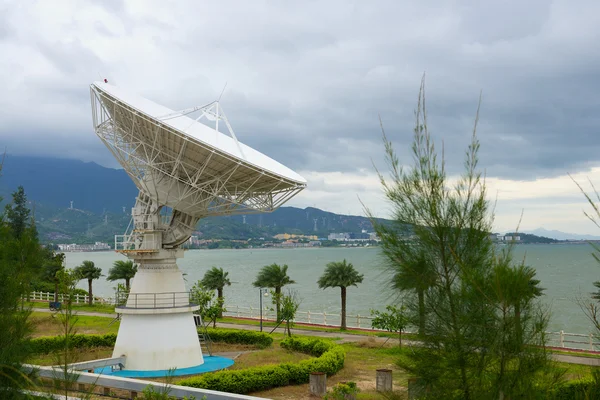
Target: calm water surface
[(566, 271)]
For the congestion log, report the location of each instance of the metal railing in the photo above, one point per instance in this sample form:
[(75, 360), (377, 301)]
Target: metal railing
[(153, 300), (135, 242)]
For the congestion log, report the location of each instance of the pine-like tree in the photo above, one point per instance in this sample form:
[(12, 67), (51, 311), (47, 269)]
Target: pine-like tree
[(449, 250), (18, 214)]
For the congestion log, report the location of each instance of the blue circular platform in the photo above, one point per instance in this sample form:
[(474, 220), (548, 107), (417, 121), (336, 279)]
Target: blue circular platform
[(211, 363)]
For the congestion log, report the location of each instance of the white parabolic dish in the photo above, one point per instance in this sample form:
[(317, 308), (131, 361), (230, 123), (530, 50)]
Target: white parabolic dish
[(185, 164)]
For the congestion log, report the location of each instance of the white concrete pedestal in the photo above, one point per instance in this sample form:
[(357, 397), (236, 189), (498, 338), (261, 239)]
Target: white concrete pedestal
[(157, 330)]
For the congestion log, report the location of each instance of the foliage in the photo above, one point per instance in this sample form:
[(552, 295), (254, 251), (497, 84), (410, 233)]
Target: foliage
[(216, 279), (19, 256), (234, 336), (340, 274), (17, 213), (201, 296), (395, 320), (43, 286), (329, 359), (341, 391), (210, 308), (274, 276), (65, 376), (214, 311), (476, 343), (592, 309), (55, 264), (52, 344), (416, 275), (122, 269), (289, 306), (87, 270), (579, 389), (122, 293)]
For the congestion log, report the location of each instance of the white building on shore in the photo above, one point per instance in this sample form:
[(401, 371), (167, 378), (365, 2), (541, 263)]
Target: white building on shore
[(98, 246)]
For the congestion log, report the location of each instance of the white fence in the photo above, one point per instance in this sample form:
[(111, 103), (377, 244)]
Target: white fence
[(561, 339), (77, 299), (310, 317)]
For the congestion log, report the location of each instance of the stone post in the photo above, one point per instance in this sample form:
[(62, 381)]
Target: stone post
[(318, 383), (384, 380)]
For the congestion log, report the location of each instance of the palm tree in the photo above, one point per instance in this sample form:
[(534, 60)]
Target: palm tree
[(274, 276), (87, 270), (516, 287), (418, 275), (342, 275), (216, 279), (122, 270)]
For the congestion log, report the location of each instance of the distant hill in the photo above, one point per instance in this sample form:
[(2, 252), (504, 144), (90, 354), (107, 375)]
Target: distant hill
[(57, 182), (527, 238), (558, 235), (99, 195)]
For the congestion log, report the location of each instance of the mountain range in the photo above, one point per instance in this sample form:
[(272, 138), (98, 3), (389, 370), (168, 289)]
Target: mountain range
[(558, 235), (102, 199)]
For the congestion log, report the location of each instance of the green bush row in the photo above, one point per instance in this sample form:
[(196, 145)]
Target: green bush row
[(579, 389), (49, 344), (330, 359), (234, 336)]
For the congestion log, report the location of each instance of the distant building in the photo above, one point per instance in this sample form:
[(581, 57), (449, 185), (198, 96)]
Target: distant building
[(373, 236), (293, 244), (98, 246), (509, 238), (338, 236), (364, 236), (288, 236)]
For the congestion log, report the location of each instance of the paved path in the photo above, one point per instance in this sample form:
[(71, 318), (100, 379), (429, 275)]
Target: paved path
[(340, 336)]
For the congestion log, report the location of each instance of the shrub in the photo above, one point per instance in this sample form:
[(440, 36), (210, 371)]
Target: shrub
[(234, 336), (579, 389), (49, 344), (342, 391), (330, 359)]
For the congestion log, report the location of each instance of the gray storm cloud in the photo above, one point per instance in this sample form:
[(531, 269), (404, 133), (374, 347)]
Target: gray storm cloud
[(306, 81)]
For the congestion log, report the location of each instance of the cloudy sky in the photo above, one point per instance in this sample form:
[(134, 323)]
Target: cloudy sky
[(306, 81)]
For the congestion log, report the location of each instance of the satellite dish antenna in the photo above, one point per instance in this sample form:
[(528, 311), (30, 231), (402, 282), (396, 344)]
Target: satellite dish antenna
[(194, 171)]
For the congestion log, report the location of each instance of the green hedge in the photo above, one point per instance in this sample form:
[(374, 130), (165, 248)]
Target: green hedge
[(579, 389), (330, 359), (234, 336), (48, 344)]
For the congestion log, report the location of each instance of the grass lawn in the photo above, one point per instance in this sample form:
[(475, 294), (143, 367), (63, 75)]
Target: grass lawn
[(78, 356), (269, 325), (48, 324), (363, 357)]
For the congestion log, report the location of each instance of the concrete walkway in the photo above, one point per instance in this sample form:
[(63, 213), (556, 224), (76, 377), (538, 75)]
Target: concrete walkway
[(340, 336)]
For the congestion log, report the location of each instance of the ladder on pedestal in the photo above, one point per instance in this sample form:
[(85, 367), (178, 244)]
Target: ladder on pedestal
[(203, 336)]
